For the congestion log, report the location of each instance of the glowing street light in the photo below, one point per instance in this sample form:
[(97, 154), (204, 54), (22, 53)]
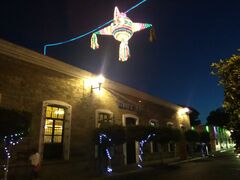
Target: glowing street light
[(183, 111), (97, 82), (183, 116)]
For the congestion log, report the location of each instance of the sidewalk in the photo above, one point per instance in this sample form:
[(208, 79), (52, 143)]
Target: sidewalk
[(132, 169), (75, 170)]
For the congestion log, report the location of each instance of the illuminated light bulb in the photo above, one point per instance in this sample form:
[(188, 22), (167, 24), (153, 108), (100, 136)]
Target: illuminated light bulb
[(109, 169), (100, 79)]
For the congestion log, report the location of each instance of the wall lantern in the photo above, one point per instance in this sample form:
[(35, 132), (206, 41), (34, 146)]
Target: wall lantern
[(183, 111), (97, 82), (182, 115)]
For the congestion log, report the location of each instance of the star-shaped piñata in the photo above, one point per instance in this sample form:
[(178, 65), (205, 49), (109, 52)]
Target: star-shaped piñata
[(122, 30)]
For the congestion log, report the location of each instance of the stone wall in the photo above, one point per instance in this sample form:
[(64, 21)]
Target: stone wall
[(25, 85)]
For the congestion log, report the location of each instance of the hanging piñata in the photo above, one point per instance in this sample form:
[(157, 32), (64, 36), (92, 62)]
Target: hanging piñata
[(122, 30)]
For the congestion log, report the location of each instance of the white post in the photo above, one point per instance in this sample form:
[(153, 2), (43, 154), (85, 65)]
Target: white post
[(6, 171)]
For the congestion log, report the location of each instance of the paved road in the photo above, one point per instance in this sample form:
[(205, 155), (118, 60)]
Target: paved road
[(223, 166)]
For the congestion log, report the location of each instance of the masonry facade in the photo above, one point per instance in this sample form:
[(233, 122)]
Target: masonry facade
[(65, 110)]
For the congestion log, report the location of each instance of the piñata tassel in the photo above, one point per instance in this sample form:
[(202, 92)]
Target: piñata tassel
[(94, 43), (124, 52), (152, 35)]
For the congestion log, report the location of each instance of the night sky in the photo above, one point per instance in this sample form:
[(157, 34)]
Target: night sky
[(191, 34)]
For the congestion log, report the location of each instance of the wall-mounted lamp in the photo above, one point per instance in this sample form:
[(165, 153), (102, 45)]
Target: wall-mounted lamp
[(183, 116), (183, 111), (96, 82)]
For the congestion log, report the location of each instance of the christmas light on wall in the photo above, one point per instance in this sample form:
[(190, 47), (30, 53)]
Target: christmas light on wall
[(122, 29), (103, 138), (9, 141), (141, 144)]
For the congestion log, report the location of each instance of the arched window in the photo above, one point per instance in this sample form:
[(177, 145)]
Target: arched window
[(154, 122), (169, 124), (104, 117), (54, 123), (55, 130)]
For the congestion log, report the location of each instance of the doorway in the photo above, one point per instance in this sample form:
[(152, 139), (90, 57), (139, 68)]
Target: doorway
[(53, 132), (130, 148)]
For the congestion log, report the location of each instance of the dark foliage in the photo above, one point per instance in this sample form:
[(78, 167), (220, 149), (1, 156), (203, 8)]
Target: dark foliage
[(219, 117), (228, 73), (115, 132), (13, 121), (167, 134), (191, 136), (194, 115), (204, 137), (138, 132)]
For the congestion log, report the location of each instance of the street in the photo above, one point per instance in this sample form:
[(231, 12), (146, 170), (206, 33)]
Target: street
[(224, 165)]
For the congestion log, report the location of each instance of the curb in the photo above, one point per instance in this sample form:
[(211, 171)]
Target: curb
[(187, 160)]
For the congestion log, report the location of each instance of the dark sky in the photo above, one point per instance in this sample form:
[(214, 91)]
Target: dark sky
[(191, 34)]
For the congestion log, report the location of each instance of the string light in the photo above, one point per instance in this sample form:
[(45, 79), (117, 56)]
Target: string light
[(92, 31), (9, 141), (141, 144), (103, 137)]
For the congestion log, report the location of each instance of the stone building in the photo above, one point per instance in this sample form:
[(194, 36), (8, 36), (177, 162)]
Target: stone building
[(66, 108)]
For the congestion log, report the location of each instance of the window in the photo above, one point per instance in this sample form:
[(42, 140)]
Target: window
[(171, 147), (153, 122), (169, 124), (104, 119), (54, 123)]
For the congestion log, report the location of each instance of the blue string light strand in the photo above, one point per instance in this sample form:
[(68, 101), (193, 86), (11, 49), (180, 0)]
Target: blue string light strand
[(141, 144), (135, 6), (101, 136), (87, 33)]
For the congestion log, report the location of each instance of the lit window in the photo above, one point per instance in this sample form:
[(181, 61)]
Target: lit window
[(54, 122)]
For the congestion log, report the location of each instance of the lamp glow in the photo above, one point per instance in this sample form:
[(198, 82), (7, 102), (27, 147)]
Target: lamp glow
[(97, 82), (183, 111)]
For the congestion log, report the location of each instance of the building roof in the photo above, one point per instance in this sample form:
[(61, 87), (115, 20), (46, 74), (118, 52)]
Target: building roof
[(24, 54)]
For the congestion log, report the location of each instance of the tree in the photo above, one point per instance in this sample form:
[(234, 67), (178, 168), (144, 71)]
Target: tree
[(107, 136), (115, 132), (14, 121), (218, 117), (166, 134), (204, 137), (137, 132), (14, 124), (228, 73), (193, 116), (191, 136)]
